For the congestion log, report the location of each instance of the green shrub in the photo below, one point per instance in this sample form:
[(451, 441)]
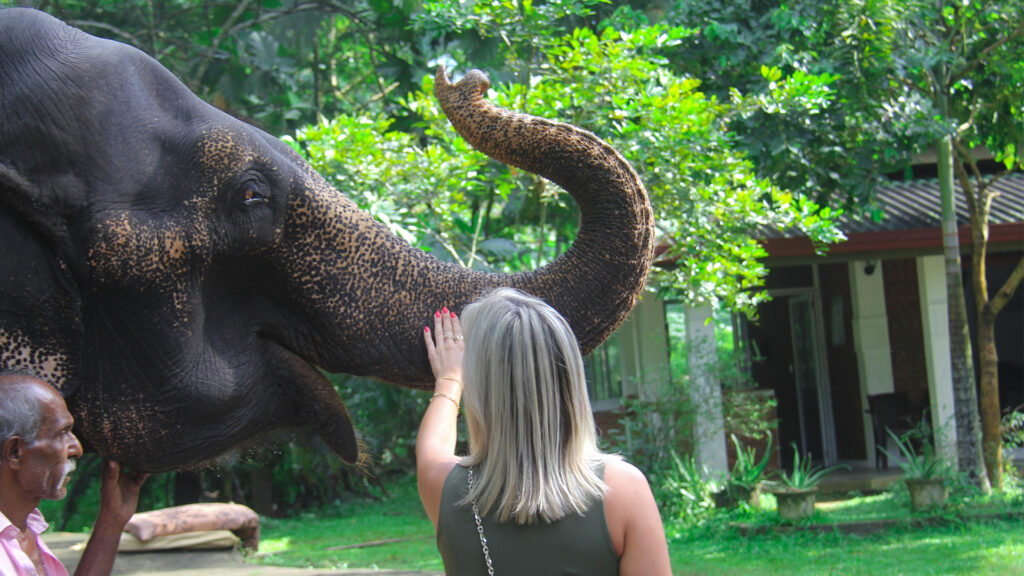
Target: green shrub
[(805, 475)]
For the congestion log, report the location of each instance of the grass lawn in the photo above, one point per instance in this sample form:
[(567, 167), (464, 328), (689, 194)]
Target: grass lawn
[(306, 540), (395, 534), (992, 547)]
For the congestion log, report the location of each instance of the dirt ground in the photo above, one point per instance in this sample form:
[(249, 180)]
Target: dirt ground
[(192, 562)]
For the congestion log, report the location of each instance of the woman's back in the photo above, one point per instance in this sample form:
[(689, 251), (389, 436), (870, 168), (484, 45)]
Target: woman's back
[(552, 502), (572, 545)]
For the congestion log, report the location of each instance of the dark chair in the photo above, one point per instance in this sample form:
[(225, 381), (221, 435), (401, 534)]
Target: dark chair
[(888, 411)]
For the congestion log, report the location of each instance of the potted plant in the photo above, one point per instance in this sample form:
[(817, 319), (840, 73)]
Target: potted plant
[(799, 491), (924, 472), (746, 477)]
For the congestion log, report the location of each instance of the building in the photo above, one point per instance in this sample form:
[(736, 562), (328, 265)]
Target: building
[(868, 319)]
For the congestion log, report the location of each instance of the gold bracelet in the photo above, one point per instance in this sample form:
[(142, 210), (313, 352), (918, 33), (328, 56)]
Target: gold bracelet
[(447, 397), (456, 380)]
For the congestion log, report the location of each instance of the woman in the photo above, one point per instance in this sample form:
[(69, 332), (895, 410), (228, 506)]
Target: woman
[(548, 500)]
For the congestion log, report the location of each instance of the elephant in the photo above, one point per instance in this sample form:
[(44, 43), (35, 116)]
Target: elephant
[(186, 280)]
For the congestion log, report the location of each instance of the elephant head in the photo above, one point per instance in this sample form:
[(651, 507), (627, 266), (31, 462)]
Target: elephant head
[(184, 278)]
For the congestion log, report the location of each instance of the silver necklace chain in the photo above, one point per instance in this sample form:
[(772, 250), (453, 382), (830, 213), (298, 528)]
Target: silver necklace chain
[(480, 528)]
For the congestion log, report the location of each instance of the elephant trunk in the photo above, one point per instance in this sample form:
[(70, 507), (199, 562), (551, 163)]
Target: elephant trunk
[(374, 293), (597, 281)]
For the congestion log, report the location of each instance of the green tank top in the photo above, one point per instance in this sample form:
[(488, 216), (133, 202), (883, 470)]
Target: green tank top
[(578, 545)]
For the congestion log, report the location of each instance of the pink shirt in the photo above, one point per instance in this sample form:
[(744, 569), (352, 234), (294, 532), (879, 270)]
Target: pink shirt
[(13, 561)]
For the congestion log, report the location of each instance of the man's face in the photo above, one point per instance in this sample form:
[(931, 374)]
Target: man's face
[(47, 462)]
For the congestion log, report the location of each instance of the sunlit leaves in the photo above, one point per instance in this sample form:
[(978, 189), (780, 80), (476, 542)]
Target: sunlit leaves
[(708, 200)]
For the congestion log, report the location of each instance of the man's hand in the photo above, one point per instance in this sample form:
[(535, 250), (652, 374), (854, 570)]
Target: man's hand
[(119, 494)]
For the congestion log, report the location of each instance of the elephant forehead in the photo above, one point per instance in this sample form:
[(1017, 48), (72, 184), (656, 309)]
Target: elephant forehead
[(220, 152), (16, 353), (131, 249)]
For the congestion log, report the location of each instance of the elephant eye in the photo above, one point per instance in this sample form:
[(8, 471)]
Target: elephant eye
[(252, 195)]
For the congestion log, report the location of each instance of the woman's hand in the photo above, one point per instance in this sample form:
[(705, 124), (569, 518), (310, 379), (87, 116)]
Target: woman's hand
[(435, 443), (445, 347)]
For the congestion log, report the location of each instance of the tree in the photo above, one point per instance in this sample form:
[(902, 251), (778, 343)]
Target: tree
[(835, 153), (614, 78), (965, 58), (277, 63), (982, 80)]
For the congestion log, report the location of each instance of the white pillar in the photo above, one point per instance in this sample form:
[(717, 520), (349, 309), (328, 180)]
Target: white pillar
[(871, 340), (931, 286), (705, 392)]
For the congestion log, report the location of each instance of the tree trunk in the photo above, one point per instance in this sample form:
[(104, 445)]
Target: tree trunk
[(978, 202), (991, 437), (968, 427), (988, 305), (262, 491)]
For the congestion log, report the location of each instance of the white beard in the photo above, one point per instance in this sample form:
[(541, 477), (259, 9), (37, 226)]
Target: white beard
[(69, 467)]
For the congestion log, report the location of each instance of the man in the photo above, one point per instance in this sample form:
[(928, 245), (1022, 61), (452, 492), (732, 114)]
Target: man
[(37, 455)]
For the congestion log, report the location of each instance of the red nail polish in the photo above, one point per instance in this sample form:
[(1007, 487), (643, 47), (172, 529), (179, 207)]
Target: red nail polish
[(444, 310), (453, 314), (437, 314), (426, 328)]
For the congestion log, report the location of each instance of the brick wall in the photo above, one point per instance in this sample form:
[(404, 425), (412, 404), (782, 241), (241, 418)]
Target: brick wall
[(906, 332)]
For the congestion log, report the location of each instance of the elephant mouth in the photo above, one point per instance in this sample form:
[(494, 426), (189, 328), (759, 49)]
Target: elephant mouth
[(315, 403)]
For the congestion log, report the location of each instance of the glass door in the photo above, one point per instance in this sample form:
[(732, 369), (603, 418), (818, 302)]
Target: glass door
[(813, 399)]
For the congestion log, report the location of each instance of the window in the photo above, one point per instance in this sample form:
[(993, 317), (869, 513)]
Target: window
[(604, 373)]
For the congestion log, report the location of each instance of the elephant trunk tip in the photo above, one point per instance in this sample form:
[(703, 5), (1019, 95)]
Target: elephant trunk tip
[(474, 83)]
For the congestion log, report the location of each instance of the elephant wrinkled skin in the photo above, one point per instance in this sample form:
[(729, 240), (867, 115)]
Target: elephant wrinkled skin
[(183, 277)]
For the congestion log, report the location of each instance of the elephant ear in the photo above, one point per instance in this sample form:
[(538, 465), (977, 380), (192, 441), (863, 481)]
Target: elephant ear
[(40, 303)]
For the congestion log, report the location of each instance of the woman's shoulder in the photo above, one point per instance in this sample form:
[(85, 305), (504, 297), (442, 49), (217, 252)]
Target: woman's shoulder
[(622, 475), (627, 503)]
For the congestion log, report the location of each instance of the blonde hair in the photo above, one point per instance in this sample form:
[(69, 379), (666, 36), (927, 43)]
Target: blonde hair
[(531, 430)]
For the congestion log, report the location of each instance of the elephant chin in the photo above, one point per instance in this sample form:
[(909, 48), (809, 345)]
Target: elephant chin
[(316, 403)]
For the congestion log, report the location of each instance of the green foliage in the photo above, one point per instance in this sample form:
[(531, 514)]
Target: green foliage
[(804, 474), (1012, 426), (653, 427), (918, 464), (746, 413), (658, 429), (387, 418), (280, 64), (818, 124), (658, 424), (435, 191), (706, 195), (511, 38), (748, 471), (685, 492), (879, 83)]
